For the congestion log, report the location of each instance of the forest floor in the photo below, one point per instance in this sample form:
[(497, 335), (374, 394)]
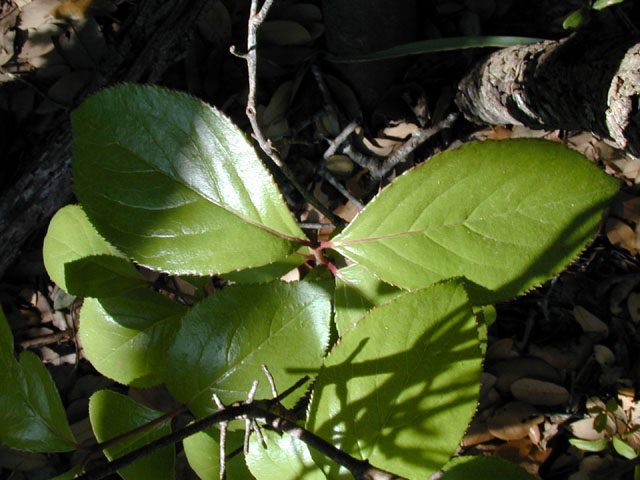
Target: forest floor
[(573, 344)]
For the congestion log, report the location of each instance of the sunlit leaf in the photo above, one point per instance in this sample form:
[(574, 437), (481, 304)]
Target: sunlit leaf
[(113, 414), (624, 449), (507, 215), (175, 185), (601, 4), (401, 387), (32, 416), (596, 445), (284, 458), (127, 337), (203, 453), (83, 263), (224, 341)]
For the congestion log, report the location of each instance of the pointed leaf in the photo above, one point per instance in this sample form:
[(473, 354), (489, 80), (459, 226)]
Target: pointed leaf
[(357, 292), (624, 449), (127, 337), (174, 184), (284, 458), (596, 445), (203, 453), (32, 416), (83, 263), (113, 414), (401, 386), (507, 215), (483, 468), (224, 340)]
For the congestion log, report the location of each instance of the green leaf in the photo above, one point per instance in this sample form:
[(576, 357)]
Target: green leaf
[(357, 292), (624, 449), (590, 445), (269, 272), (174, 184), (285, 458), (32, 416), (602, 4), (113, 414), (127, 337), (224, 340), (507, 215), (483, 468), (401, 387), (83, 263), (203, 453), (576, 18), (437, 45)]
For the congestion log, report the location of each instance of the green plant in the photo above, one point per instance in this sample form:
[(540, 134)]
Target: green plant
[(167, 181), (582, 15)]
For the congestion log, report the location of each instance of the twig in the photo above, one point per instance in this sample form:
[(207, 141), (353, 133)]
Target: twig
[(57, 337), (254, 411), (378, 170), (256, 18)]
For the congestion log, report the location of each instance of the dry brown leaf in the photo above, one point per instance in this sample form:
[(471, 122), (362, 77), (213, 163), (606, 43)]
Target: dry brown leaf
[(512, 421), (501, 349), (284, 32), (215, 24), (622, 235), (585, 430), (340, 165), (401, 131), (477, 433), (631, 169), (569, 355), (590, 323), (37, 13), (510, 370), (303, 13), (603, 355), (344, 96), (524, 453), (539, 392), (348, 211)]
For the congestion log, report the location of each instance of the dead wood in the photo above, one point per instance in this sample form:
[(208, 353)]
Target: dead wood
[(144, 49), (581, 83)]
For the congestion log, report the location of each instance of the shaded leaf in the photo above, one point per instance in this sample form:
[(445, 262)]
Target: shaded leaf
[(127, 337), (483, 468), (224, 340), (507, 215), (285, 458), (401, 387), (113, 414), (269, 272), (174, 184), (437, 45), (32, 416), (357, 292), (83, 263)]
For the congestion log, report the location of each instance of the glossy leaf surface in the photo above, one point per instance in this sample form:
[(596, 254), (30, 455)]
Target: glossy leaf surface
[(113, 414), (127, 337), (285, 458), (203, 453), (507, 215), (174, 184), (357, 292), (32, 416), (224, 340), (483, 468), (83, 263), (401, 387)]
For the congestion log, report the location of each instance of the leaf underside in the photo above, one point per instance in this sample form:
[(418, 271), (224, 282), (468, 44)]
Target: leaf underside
[(401, 388), (174, 184), (506, 215)]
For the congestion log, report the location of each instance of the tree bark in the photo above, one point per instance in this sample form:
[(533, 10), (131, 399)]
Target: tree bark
[(581, 83), (143, 52)]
